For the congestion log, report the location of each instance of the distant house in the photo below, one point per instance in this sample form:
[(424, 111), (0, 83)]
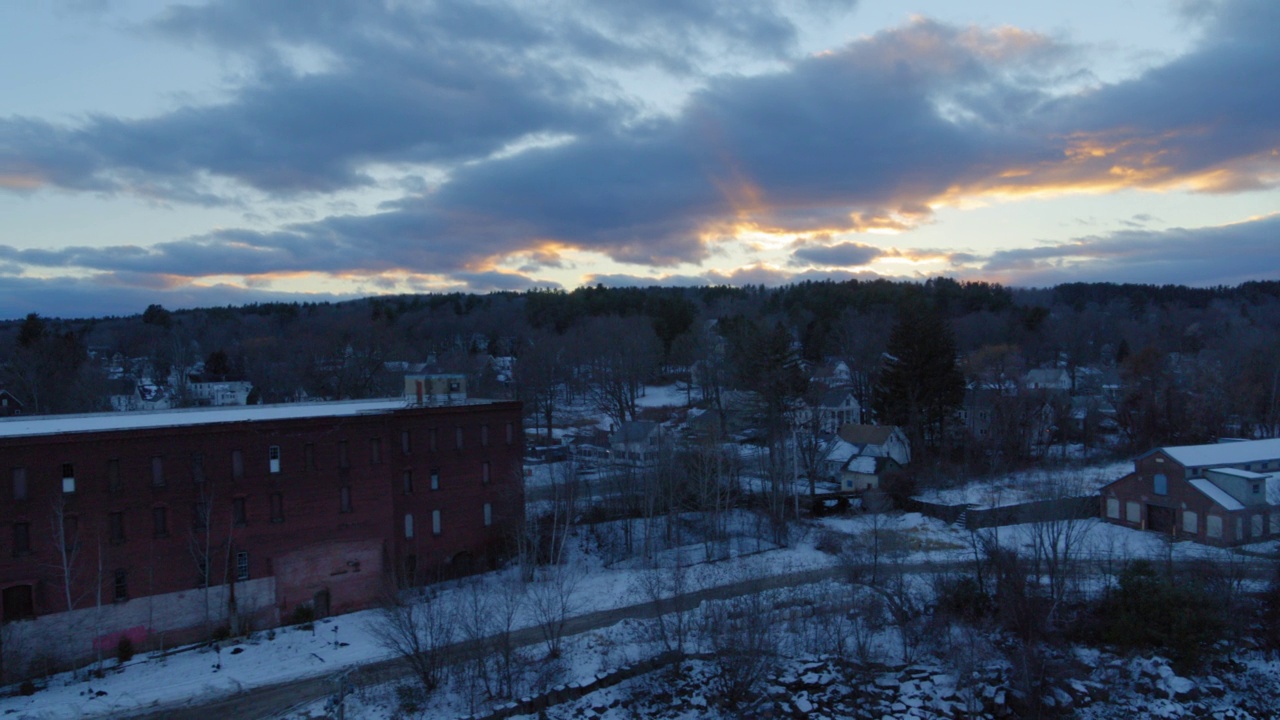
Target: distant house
[(860, 456), (837, 408), (9, 405), (1052, 379), (1221, 494), (636, 443), (218, 390), (133, 395)]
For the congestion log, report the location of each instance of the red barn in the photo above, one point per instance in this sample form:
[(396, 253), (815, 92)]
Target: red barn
[(1222, 494), (165, 526)]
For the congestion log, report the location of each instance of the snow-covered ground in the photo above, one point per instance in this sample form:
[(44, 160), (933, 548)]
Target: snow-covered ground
[(1029, 485)]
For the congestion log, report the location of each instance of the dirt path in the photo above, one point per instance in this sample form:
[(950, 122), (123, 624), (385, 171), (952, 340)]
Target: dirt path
[(273, 701)]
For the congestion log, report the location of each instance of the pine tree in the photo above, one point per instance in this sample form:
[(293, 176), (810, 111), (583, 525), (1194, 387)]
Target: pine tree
[(920, 384)]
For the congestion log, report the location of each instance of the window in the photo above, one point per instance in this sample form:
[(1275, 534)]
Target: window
[(1190, 523), (237, 464), (113, 476), (273, 459), (344, 459), (375, 451), (157, 471), (511, 433), (68, 478), (70, 532), (435, 522), (1133, 512), (242, 566), (408, 526), (484, 436), (19, 485), (344, 499), (435, 479), (1161, 484), (1113, 508), (457, 437), (309, 456), (277, 507), (433, 439), (407, 479), (406, 445), (1239, 528), (197, 468), (484, 472), (159, 521), (200, 515), (1213, 526), (22, 538), (239, 513), (1257, 526), (121, 585), (488, 514), (115, 528), (1257, 488)]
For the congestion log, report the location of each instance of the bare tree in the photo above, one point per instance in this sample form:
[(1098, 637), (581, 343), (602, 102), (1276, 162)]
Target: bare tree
[(416, 626), (552, 600), (744, 643), (1056, 533)]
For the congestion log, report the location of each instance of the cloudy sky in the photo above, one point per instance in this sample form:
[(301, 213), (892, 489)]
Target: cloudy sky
[(240, 150)]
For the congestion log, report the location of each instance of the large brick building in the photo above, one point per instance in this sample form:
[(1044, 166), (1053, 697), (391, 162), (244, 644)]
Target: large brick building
[(162, 526), (1221, 494)]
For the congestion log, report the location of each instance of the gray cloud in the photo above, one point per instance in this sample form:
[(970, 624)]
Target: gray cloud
[(847, 254), (1226, 255)]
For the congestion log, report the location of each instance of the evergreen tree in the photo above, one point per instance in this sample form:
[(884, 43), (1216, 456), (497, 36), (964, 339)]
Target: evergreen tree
[(920, 384)]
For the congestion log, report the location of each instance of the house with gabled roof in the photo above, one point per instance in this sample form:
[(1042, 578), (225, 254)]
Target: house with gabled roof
[(636, 442), (9, 404), (860, 456), (1227, 493)]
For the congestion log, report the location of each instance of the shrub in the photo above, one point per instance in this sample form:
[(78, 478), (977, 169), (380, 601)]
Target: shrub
[(1181, 616), (27, 688), (124, 650), (302, 615)]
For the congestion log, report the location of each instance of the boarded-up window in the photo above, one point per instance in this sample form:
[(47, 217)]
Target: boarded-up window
[(344, 457), (1133, 512), (457, 437), (344, 499), (1113, 508), (1161, 484), (484, 435), (157, 471), (1257, 526), (237, 464), (375, 451), (435, 479), (1190, 523), (239, 513), (115, 528), (408, 526), (1239, 528), (511, 433), (488, 514), (1213, 526), (406, 445), (197, 468), (435, 522), (160, 522), (113, 476), (433, 439), (407, 480), (21, 538), (484, 472)]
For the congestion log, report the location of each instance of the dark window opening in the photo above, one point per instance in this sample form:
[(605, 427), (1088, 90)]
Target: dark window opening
[(157, 471), (457, 437), (405, 443), (22, 538), (237, 464), (344, 459), (277, 507), (484, 470), (113, 476), (484, 436), (239, 514), (433, 438), (121, 586), (407, 479), (115, 528), (160, 522), (309, 456), (511, 433), (344, 499), (19, 485), (197, 468)]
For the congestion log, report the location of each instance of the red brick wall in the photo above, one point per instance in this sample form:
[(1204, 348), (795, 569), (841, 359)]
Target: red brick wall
[(311, 495), (1139, 487)]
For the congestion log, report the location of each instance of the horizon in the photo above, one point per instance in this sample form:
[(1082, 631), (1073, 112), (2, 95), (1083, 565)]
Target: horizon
[(232, 152)]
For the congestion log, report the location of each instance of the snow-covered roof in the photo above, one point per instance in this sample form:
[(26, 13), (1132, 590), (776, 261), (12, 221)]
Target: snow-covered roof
[(1227, 453), (1246, 474), (863, 464), (28, 425), (841, 451), (1216, 494)]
